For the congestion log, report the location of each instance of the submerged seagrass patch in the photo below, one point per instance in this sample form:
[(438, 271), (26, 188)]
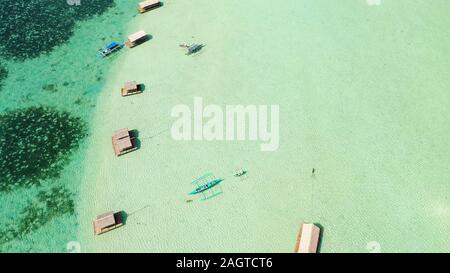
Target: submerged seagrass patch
[(48, 205), (35, 144), (33, 27), (3, 74)]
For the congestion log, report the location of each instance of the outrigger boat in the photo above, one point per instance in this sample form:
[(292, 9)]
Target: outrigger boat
[(206, 186), (191, 49), (239, 172), (109, 49)]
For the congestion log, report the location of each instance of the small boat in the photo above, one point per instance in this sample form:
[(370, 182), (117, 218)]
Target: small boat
[(239, 172), (191, 49), (109, 49), (206, 186)]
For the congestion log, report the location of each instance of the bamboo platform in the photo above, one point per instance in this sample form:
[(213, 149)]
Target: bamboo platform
[(145, 6), (107, 222), (307, 239)]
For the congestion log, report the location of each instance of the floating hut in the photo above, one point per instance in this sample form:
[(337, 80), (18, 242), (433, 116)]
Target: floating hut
[(148, 5), (130, 88), (107, 221), (307, 239), (123, 142), (136, 39)]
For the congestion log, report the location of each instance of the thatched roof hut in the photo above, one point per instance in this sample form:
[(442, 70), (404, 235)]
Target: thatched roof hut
[(130, 88), (136, 38), (308, 239), (148, 5), (123, 142), (107, 221)]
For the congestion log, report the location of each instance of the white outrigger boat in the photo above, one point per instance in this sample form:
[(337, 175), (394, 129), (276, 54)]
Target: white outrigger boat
[(191, 49)]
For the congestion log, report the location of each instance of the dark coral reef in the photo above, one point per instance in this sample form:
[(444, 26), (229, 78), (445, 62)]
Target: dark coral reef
[(3, 74), (35, 144), (30, 28), (47, 206)]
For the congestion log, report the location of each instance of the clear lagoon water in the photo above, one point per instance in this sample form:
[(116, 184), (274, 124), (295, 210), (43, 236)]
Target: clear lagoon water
[(363, 99), (52, 78)]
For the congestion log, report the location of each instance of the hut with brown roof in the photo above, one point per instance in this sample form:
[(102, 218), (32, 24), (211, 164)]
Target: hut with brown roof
[(136, 39), (107, 221), (123, 142), (147, 5), (308, 239), (130, 88)]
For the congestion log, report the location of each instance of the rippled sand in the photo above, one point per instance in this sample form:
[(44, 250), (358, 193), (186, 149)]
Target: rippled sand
[(363, 96)]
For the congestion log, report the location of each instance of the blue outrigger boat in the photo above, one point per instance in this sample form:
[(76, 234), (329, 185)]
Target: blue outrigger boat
[(109, 49), (206, 186)]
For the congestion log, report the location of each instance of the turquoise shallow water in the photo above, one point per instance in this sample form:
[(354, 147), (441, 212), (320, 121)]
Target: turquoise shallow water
[(363, 99), (67, 79)]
